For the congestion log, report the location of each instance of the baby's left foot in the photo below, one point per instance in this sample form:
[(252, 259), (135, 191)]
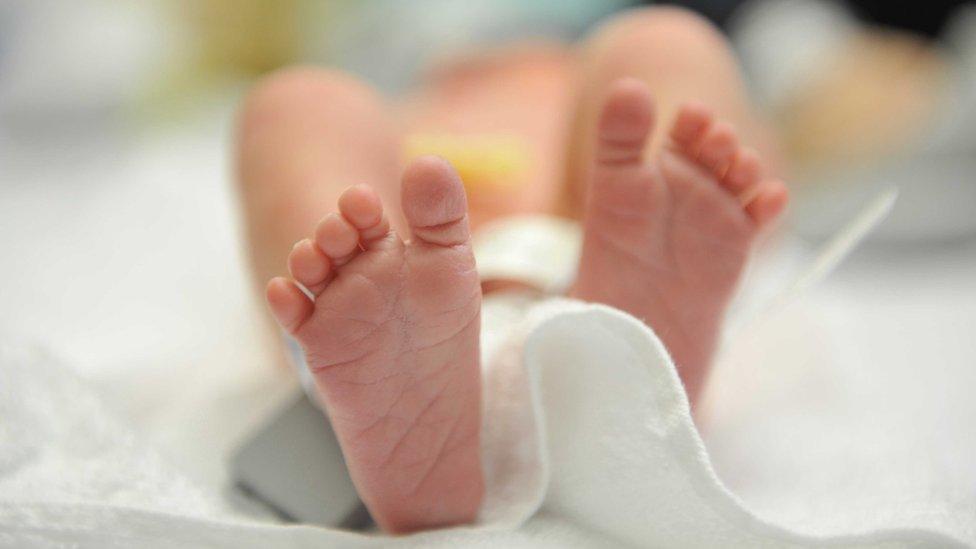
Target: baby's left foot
[(667, 240), (392, 340)]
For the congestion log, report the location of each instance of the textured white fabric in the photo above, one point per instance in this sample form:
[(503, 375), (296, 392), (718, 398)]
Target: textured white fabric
[(588, 442), (539, 250)]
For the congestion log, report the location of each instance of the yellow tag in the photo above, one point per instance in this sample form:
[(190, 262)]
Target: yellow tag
[(486, 161)]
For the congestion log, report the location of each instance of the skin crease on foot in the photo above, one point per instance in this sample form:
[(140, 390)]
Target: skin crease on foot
[(667, 240), (393, 332), (392, 339)]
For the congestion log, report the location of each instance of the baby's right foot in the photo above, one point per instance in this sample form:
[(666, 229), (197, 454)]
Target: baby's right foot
[(392, 340), (667, 241)]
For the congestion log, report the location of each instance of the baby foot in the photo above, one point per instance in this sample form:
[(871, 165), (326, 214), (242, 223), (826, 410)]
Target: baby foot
[(666, 241), (392, 341)]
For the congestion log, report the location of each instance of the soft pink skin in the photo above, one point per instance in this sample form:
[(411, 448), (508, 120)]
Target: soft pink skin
[(392, 336), (306, 132), (393, 341), (668, 240)]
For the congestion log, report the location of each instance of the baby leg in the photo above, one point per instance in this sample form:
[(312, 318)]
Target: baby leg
[(303, 136), (391, 336), (680, 57)]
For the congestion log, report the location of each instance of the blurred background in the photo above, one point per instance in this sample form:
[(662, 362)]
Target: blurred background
[(120, 233)]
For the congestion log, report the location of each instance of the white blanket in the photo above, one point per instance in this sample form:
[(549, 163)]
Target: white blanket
[(588, 442)]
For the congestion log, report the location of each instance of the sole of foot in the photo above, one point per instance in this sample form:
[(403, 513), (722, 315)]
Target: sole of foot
[(667, 239), (392, 338)]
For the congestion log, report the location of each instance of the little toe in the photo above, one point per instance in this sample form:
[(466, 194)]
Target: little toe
[(768, 203), (744, 173), (309, 266), (690, 126), (625, 123), (718, 148), (337, 238), (361, 207), (434, 202), (289, 305)]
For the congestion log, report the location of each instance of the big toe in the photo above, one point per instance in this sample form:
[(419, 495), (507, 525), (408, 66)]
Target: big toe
[(625, 123), (434, 202)]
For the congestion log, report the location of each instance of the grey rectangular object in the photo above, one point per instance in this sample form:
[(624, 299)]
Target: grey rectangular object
[(293, 464)]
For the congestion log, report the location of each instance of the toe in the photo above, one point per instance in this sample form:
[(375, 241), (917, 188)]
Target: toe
[(718, 149), (434, 202), (290, 307), (690, 126), (625, 123), (337, 238), (309, 265), (769, 201), (361, 207), (744, 173)]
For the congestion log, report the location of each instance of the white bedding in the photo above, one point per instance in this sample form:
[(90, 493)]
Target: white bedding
[(588, 442), (845, 413)]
